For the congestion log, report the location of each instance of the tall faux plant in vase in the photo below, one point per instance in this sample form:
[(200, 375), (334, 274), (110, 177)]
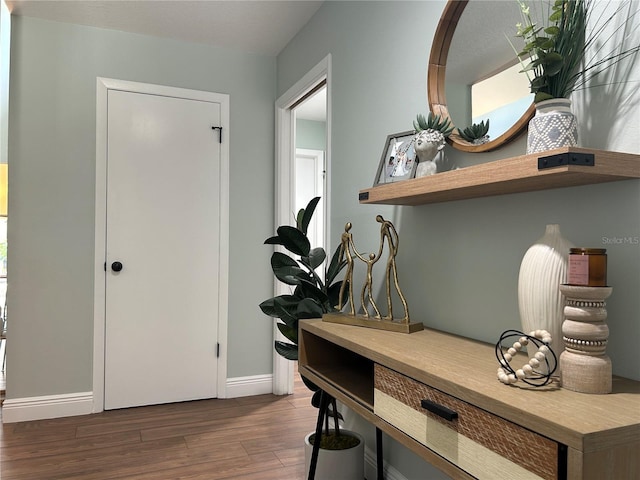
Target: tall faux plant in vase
[(563, 55), (312, 295)]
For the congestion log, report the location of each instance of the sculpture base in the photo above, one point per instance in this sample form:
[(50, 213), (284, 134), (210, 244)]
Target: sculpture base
[(585, 373), (370, 322)]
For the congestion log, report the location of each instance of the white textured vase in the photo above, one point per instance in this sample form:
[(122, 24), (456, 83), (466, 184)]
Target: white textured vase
[(553, 126), (542, 271)]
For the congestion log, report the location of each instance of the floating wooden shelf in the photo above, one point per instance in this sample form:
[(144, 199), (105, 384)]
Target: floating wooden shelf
[(511, 175)]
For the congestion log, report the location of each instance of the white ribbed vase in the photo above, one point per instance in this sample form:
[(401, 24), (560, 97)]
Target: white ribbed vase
[(542, 271), (553, 126)]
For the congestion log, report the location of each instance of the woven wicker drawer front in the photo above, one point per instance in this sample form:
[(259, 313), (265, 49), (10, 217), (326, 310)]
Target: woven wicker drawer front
[(484, 445)]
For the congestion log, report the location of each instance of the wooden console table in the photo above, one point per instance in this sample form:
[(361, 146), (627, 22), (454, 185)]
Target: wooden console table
[(486, 429)]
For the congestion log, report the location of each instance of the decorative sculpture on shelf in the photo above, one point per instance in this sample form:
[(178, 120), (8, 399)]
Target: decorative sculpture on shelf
[(348, 251), (541, 367)]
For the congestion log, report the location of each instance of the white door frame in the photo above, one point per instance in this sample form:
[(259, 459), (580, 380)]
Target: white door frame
[(284, 185), (102, 89)]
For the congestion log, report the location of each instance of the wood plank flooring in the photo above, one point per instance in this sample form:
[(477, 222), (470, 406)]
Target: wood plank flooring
[(246, 438)]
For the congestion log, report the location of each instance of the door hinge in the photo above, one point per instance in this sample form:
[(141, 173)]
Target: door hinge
[(219, 133), (217, 350)]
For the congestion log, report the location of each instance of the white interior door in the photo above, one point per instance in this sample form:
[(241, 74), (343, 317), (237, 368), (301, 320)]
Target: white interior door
[(163, 209), (309, 183)]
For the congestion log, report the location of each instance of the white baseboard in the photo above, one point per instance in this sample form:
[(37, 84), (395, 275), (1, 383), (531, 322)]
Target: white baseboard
[(370, 469), (49, 406), (70, 404), (247, 386)]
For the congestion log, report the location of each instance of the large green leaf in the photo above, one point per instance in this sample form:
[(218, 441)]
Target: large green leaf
[(287, 350), (273, 241), (310, 290), (552, 30), (293, 240), (538, 83), (288, 315), (316, 257), (553, 63), (310, 308), (288, 302), (303, 223), (288, 332), (286, 269)]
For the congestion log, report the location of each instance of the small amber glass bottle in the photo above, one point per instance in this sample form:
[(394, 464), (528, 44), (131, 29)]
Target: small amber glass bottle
[(587, 267)]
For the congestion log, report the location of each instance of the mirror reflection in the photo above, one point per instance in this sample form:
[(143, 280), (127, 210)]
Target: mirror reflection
[(482, 79)]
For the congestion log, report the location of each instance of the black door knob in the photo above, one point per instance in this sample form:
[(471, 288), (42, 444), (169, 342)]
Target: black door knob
[(116, 266)]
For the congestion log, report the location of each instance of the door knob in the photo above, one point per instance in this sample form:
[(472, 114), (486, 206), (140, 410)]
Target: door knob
[(116, 266)]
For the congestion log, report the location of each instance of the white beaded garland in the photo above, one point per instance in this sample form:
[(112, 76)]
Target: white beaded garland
[(507, 375)]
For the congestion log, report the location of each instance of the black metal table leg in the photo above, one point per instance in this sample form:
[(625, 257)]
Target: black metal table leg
[(324, 403), (379, 459)]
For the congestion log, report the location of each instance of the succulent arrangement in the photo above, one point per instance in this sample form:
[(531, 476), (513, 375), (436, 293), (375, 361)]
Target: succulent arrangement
[(554, 56), (433, 122), (429, 140), (476, 133)]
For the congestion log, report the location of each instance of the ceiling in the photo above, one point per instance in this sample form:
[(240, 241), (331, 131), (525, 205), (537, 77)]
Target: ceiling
[(314, 107), (255, 26)]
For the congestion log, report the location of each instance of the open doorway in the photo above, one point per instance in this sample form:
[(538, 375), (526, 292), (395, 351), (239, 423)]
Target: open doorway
[(301, 112), (310, 152)]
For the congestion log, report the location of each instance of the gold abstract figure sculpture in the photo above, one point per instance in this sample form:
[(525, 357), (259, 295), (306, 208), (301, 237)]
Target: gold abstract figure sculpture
[(389, 235), (388, 232), (345, 251)]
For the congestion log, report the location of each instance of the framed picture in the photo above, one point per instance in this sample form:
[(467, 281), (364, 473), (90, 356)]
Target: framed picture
[(398, 160)]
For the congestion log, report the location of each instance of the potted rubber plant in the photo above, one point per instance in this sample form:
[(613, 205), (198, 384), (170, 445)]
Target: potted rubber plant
[(564, 50), (312, 294)]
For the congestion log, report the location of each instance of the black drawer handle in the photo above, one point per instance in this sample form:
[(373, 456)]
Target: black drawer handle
[(439, 410)]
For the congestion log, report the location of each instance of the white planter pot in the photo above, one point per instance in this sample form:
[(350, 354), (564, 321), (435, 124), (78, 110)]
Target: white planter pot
[(336, 464), (553, 126)]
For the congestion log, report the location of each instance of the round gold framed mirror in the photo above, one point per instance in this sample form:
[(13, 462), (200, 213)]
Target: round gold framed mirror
[(471, 52)]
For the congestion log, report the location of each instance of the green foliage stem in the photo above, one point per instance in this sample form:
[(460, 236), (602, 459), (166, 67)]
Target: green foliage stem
[(554, 57)]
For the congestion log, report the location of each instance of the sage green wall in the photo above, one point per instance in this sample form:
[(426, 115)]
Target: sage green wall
[(5, 41), (458, 262), (52, 155), (311, 134)]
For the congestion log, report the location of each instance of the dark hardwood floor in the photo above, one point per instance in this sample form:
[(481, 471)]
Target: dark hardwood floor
[(246, 438)]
